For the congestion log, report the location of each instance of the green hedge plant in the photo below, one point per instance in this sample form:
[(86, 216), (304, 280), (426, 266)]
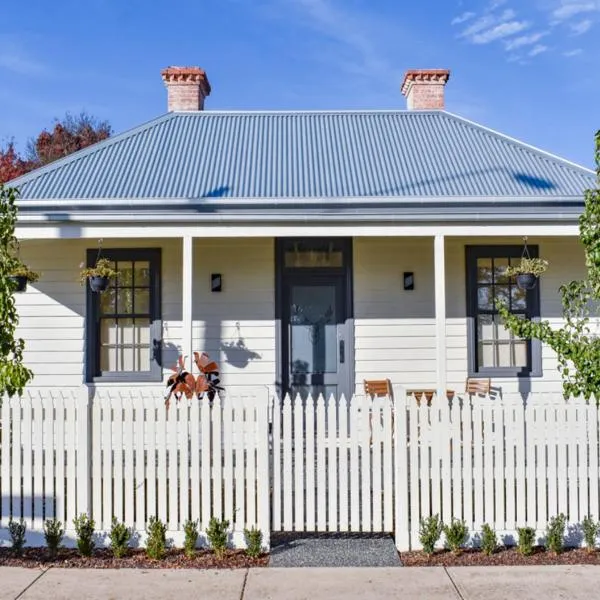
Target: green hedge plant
[(17, 530), (217, 535), (191, 537), (457, 534), (253, 539), (430, 530), (119, 537), (84, 529), (53, 534), (590, 529), (489, 540), (156, 544), (526, 540), (555, 534)]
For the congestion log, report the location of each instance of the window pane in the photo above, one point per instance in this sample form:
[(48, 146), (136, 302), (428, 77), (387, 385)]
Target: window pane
[(143, 358), (518, 298), (126, 332), (485, 298), (142, 331), (125, 358), (108, 358), (501, 293), (124, 301), (142, 301), (504, 354), (142, 273), (485, 327), (486, 354), (125, 269), (313, 253), (108, 331), (484, 270), (500, 266), (107, 301), (520, 353), (501, 333)]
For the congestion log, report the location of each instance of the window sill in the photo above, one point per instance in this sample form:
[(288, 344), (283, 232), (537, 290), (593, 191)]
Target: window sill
[(505, 374)]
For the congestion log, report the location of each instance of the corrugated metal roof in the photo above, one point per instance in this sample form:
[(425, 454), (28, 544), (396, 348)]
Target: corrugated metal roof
[(307, 155)]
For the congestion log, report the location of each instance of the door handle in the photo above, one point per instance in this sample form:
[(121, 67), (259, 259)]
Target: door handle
[(342, 352)]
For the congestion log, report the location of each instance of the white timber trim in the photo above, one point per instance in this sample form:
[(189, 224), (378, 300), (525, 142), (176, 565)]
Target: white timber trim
[(440, 313), (70, 231), (187, 299)]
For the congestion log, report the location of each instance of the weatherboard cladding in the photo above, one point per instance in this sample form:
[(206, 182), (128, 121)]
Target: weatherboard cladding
[(306, 155)]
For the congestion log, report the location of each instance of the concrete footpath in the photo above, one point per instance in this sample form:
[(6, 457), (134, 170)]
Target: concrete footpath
[(427, 583)]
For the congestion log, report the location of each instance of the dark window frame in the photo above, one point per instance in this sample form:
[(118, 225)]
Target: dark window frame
[(93, 373), (534, 347)]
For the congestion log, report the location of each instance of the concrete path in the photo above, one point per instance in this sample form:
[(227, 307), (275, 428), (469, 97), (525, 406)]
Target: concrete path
[(426, 583)]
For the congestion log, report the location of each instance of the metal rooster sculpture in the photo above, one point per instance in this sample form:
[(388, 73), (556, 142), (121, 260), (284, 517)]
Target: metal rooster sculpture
[(183, 383)]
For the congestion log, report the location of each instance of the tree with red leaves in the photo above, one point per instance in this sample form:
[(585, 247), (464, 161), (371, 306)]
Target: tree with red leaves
[(11, 164), (68, 135)]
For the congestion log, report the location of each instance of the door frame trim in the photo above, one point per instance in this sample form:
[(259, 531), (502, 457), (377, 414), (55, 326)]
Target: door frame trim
[(347, 272)]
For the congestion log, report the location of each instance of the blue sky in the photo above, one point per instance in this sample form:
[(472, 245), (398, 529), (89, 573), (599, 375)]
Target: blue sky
[(528, 68)]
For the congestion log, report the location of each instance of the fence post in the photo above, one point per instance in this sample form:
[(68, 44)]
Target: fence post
[(402, 476), (84, 463), (263, 471)]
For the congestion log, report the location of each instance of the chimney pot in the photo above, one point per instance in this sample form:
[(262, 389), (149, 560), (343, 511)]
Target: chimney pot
[(424, 88), (187, 87)]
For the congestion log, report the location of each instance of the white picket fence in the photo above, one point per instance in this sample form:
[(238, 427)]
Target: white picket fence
[(127, 456), (355, 464)]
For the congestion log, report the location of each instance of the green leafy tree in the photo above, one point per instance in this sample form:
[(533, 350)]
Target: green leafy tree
[(14, 375), (575, 344)]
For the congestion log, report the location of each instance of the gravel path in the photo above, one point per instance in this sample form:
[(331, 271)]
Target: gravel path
[(333, 550)]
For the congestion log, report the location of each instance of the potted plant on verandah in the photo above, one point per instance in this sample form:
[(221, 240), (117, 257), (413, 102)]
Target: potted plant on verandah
[(99, 275), (21, 275), (527, 271)]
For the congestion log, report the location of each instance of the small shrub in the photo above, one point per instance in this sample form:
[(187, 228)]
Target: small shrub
[(156, 544), (84, 528), (555, 533), (457, 534), (17, 530), (430, 530), (53, 534), (254, 539), (526, 539), (191, 536), (119, 537), (217, 535), (489, 540), (590, 529)]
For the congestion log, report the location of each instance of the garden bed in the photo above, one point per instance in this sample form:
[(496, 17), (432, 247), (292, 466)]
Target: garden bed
[(135, 559), (502, 557)]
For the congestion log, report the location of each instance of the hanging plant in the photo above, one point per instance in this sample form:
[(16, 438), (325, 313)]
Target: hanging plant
[(22, 275), (99, 276), (527, 271)]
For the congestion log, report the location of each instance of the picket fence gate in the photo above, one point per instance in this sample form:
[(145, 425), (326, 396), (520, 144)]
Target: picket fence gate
[(292, 464)]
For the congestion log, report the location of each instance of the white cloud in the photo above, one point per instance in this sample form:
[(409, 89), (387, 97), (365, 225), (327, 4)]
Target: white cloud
[(574, 52), (494, 4), (462, 18), (499, 32), (581, 27), (524, 40), (486, 22), (538, 49), (13, 57), (568, 9)]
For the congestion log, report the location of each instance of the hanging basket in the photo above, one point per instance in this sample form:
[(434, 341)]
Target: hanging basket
[(526, 281), (19, 282), (98, 284)]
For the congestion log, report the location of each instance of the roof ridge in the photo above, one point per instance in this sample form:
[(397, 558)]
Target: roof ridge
[(79, 154), (516, 142)]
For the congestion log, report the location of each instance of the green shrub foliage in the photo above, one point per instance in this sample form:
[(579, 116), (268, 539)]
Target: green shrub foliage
[(53, 534), (457, 534), (590, 529), (17, 530), (217, 535), (489, 540), (119, 537), (253, 539), (526, 540), (84, 529), (191, 537), (156, 544), (430, 530), (555, 533)]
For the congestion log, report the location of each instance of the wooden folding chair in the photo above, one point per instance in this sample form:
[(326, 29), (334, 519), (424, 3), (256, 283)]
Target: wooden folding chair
[(478, 387), (376, 388)]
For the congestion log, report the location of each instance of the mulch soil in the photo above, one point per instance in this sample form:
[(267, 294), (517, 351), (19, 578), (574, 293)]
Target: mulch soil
[(135, 559), (502, 557)]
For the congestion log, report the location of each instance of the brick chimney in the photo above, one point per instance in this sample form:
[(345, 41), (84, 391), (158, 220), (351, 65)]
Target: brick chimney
[(187, 87), (424, 88)]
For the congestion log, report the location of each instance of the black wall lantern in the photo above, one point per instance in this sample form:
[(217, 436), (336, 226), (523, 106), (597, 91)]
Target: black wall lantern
[(409, 280), (216, 282)]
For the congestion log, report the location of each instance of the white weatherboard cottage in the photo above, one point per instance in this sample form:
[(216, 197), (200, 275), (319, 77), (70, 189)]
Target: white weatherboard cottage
[(305, 252), (349, 245)]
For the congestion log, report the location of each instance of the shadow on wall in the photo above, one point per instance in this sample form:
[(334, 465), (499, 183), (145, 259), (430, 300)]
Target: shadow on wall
[(237, 354)]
